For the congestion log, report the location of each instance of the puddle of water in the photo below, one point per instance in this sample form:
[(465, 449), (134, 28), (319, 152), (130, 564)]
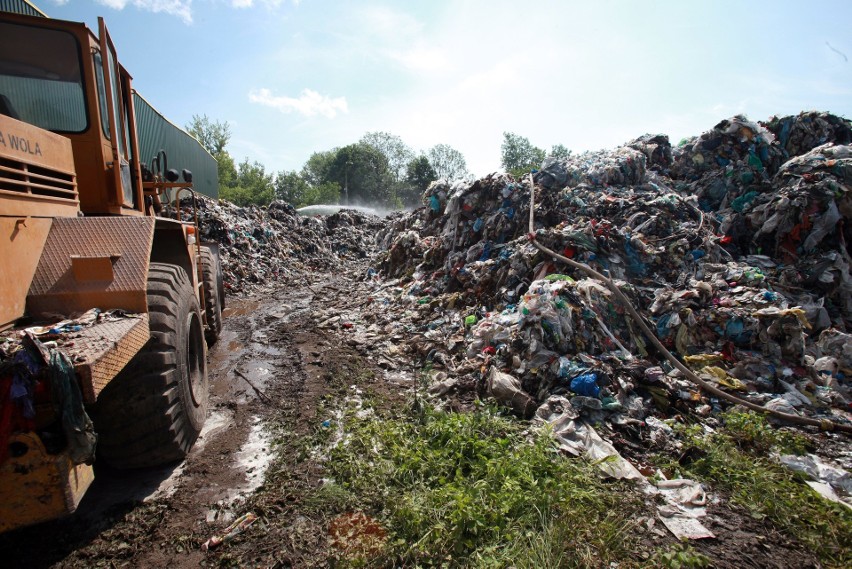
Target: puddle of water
[(222, 351), (266, 349), (217, 422), (288, 313), (240, 308), (168, 486), (254, 458), (257, 371)]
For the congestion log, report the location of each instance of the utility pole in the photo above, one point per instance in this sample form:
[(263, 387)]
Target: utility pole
[(346, 181)]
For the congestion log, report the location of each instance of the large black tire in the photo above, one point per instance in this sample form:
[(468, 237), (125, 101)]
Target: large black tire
[(211, 277), (153, 411), (220, 278)]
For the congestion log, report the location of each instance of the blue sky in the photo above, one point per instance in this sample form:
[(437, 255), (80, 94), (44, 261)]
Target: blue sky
[(295, 77)]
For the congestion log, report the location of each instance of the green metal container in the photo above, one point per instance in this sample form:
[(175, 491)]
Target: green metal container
[(20, 7), (183, 151)]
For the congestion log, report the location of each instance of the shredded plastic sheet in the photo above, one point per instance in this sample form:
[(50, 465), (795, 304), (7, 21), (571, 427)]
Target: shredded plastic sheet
[(830, 481), (580, 439)]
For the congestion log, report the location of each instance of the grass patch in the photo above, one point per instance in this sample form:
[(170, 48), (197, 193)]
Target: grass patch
[(734, 459), (476, 490), (680, 556)]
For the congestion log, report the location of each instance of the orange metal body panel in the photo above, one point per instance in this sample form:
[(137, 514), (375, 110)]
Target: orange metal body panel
[(54, 262), (36, 172), (21, 242), (92, 268), (37, 486), (101, 351), (26, 143), (125, 241)]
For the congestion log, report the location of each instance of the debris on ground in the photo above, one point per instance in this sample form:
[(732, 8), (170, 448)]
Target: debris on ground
[(237, 527), (273, 244), (747, 281), (733, 246)]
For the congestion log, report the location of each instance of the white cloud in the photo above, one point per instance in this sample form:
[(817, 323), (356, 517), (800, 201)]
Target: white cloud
[(114, 4), (310, 103), (388, 23), (421, 58), (268, 3), (179, 8), (60, 2)]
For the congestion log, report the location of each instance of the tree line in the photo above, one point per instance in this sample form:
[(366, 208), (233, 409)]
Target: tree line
[(378, 170)]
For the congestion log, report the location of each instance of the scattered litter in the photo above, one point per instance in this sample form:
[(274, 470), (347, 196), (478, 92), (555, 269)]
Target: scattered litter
[(832, 482), (237, 527), (580, 439), (260, 246)]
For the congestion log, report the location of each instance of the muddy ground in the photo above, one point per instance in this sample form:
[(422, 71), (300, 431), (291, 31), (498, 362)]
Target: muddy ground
[(268, 375), (273, 373)]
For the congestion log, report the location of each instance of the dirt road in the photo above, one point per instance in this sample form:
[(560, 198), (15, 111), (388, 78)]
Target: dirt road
[(269, 373)]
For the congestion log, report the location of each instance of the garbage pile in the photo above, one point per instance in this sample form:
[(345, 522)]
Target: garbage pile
[(262, 245), (732, 246)]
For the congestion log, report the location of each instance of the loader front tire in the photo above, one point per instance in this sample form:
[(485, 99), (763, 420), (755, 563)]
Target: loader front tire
[(153, 411), (211, 277)]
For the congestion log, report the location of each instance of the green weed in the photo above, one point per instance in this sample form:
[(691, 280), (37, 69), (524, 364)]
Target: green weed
[(680, 556), (752, 433), (735, 460), (475, 489)]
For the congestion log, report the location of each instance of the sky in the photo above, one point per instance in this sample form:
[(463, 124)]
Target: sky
[(294, 77)]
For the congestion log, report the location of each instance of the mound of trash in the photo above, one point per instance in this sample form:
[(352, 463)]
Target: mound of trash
[(733, 246), (262, 245)]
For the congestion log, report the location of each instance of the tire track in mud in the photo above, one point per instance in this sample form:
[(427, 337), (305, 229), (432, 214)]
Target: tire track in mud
[(145, 517), (234, 452), (160, 517)]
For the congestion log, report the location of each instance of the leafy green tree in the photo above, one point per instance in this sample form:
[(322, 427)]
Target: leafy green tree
[(398, 154), (253, 185), (418, 175), (560, 151), (227, 171), (316, 170), (295, 190), (448, 163), (291, 187), (518, 155), (237, 196), (327, 193), (362, 171), (214, 137)]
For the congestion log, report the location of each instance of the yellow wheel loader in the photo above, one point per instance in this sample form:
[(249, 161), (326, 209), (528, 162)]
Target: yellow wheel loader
[(106, 306)]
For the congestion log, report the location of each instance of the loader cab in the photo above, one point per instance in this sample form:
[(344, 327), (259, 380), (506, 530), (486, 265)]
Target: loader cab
[(60, 77)]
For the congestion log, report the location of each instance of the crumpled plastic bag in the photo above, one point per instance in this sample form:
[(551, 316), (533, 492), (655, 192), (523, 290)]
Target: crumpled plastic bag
[(506, 389)]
